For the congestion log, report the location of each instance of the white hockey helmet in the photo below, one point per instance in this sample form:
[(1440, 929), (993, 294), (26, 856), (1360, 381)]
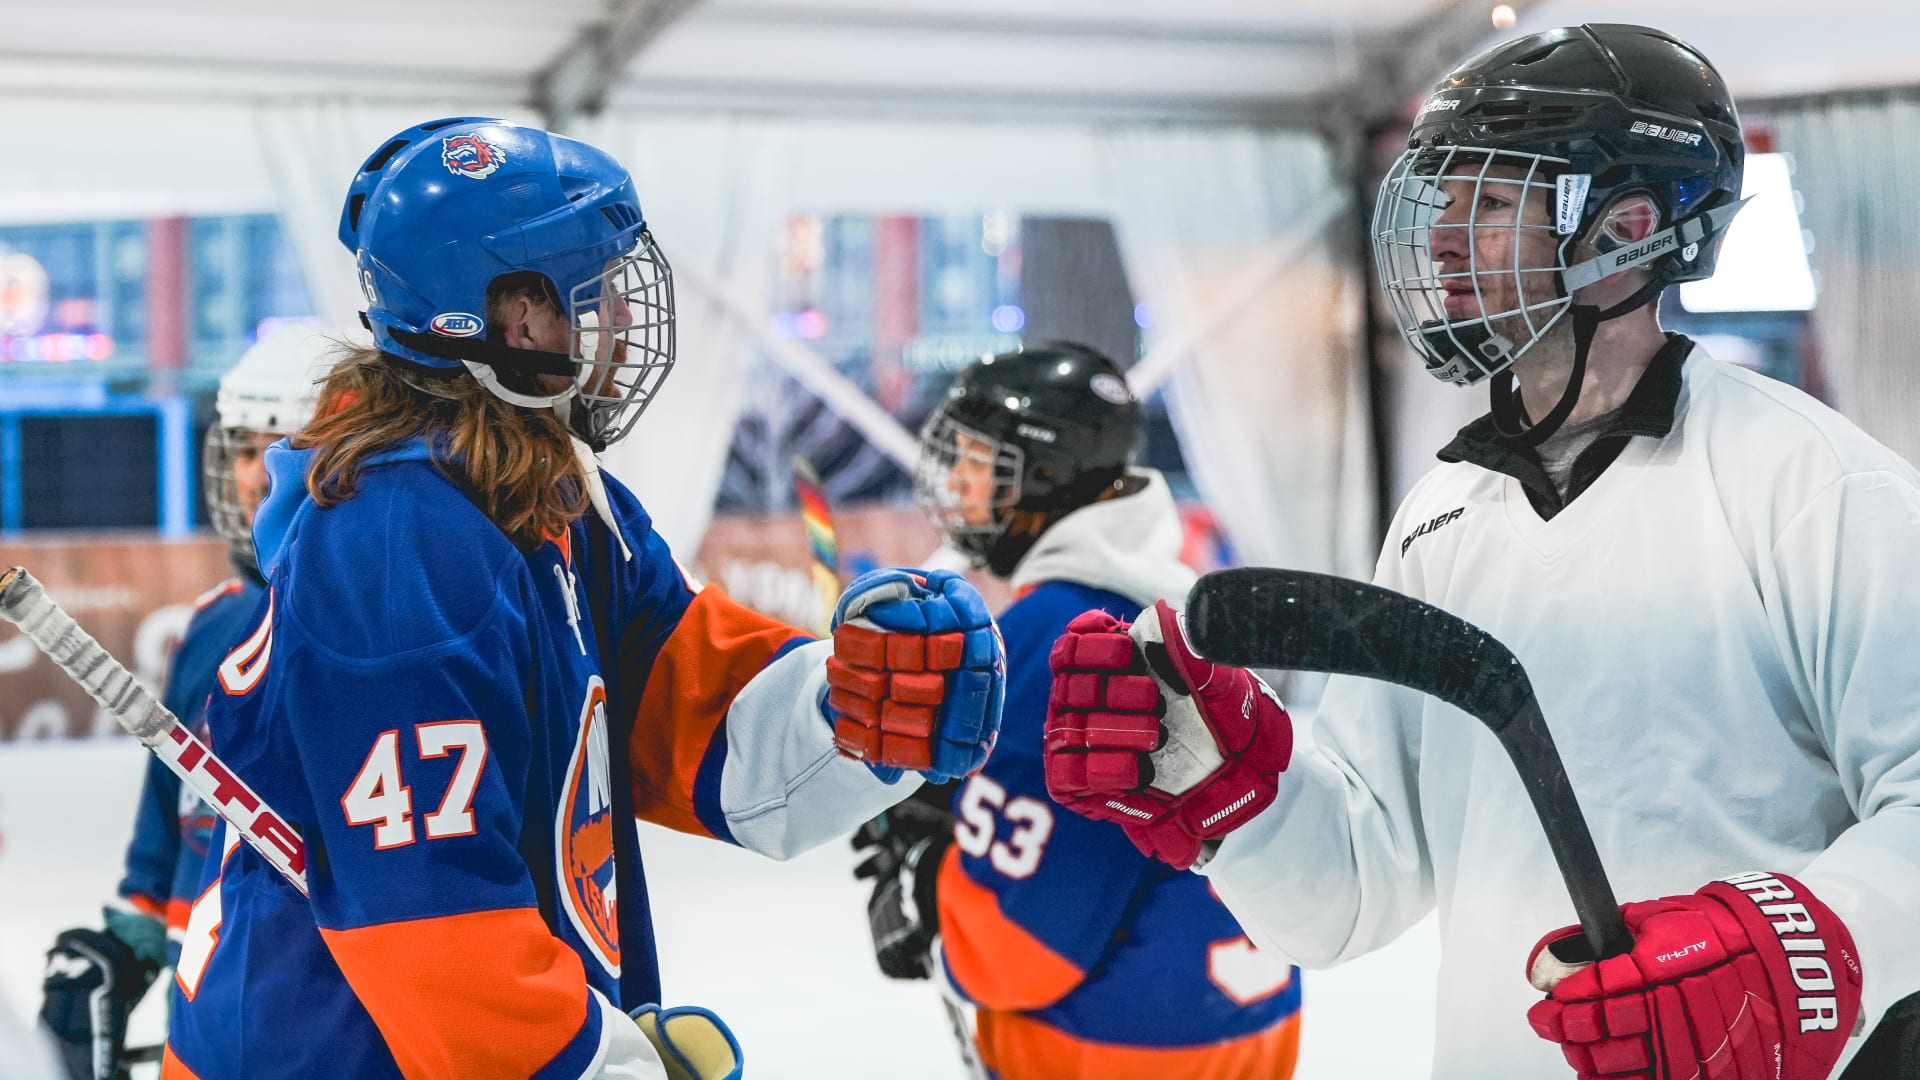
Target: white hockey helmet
[(272, 390)]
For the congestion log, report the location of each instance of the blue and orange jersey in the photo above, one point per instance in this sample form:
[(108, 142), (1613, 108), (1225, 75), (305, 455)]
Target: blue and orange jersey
[(172, 827), (1085, 958), (464, 733)]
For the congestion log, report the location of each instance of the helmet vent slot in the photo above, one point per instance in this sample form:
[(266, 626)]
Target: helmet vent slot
[(354, 205), (383, 155), (1509, 117), (622, 216), (1538, 55)]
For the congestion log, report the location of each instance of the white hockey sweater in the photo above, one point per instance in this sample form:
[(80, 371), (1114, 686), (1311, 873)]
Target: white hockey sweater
[(1724, 633)]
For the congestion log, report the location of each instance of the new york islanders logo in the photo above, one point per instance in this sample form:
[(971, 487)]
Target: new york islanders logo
[(583, 836), (471, 156)]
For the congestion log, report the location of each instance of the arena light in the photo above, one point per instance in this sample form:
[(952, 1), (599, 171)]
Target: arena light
[(1763, 262), (56, 348), (810, 324)]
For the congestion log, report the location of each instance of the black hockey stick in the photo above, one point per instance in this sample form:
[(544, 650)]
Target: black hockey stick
[(1291, 619)]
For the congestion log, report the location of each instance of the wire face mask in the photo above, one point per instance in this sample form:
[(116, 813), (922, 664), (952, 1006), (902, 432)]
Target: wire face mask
[(623, 340), (228, 510), (1439, 198), (954, 459)]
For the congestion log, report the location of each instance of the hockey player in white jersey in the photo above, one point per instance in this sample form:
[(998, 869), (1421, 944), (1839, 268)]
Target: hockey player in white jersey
[(1706, 573)]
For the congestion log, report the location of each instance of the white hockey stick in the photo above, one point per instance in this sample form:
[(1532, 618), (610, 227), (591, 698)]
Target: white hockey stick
[(961, 1015), (25, 603)]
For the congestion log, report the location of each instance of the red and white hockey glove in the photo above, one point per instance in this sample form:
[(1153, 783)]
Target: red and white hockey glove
[(1751, 978), (917, 676), (1142, 732)]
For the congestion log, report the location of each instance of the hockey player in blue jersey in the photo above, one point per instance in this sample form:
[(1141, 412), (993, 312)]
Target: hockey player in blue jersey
[(267, 395), (477, 663), (1085, 958)]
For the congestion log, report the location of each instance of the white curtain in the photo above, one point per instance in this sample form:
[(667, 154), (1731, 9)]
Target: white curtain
[(1236, 241), (311, 149), (698, 184), (1855, 165), (1268, 401), (117, 158), (713, 192)]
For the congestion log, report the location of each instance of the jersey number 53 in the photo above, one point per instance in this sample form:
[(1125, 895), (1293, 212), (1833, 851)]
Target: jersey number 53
[(983, 803)]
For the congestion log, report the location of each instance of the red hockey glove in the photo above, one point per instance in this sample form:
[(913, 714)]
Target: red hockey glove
[(1751, 978), (1143, 732), (917, 676)]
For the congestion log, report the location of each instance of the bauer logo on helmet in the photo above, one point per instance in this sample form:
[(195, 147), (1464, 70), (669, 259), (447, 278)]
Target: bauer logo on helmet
[(471, 156), (1661, 131)]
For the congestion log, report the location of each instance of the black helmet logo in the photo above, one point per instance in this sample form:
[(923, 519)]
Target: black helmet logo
[(1110, 388)]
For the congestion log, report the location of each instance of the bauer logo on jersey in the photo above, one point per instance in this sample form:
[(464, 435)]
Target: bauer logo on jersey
[(1430, 526), (457, 324), (583, 835), (471, 156)]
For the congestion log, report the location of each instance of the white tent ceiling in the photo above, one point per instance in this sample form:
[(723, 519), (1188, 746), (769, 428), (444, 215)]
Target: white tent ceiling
[(115, 107), (1199, 59), (1197, 56)]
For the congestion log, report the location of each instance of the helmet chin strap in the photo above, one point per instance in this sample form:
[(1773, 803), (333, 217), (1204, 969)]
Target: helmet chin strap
[(1503, 397), (1509, 414), (1509, 411), (589, 463)]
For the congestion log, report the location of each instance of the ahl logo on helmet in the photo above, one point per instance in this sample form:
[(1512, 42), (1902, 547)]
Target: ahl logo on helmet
[(471, 156), (1110, 388), (457, 324)]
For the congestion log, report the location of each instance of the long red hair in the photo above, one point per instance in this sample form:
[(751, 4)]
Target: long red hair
[(517, 464)]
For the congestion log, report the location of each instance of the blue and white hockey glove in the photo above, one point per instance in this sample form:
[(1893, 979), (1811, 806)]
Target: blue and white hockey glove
[(917, 676), (693, 1042)]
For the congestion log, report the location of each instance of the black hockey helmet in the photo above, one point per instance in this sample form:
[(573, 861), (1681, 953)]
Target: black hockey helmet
[(1586, 115), (1057, 425)]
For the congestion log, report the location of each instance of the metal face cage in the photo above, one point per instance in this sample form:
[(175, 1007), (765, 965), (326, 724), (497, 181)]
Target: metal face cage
[(232, 518), (954, 456), (1419, 198), (623, 340)]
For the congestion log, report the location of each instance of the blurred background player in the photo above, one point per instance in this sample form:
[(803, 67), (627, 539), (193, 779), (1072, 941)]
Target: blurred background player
[(1706, 573), (1085, 958), (96, 977), (477, 664)]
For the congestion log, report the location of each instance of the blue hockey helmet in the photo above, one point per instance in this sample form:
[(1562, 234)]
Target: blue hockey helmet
[(445, 209)]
